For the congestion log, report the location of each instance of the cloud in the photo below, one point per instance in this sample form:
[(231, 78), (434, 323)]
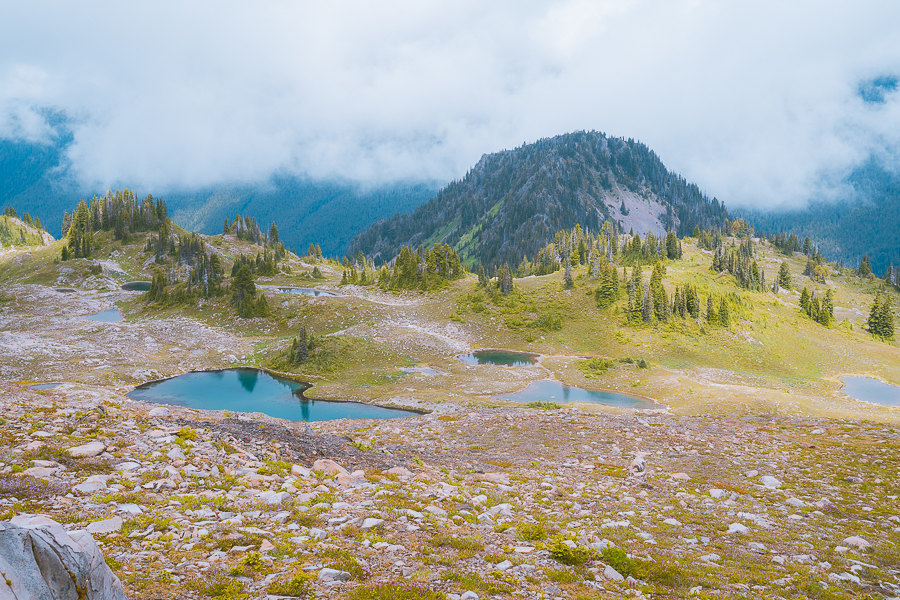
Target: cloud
[(761, 103)]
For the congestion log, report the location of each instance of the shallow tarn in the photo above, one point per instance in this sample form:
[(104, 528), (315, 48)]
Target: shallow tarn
[(554, 391), (871, 390), (110, 315), (303, 291), (502, 358), (254, 390)]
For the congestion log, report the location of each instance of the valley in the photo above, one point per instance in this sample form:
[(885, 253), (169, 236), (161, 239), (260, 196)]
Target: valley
[(755, 477)]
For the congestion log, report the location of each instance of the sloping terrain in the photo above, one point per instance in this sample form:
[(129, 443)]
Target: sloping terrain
[(511, 202)]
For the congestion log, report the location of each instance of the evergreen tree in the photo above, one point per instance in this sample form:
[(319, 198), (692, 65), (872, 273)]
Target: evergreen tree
[(804, 301), (881, 318), (711, 317), (724, 316), (784, 276), (826, 310), (568, 280), (865, 267), (647, 305), (243, 290)]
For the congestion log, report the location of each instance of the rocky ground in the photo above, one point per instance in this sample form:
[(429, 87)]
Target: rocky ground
[(516, 503)]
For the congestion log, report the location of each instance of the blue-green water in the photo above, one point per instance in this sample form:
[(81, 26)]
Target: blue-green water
[(554, 391), (110, 315), (252, 390), (872, 390), (503, 358), (136, 286), (302, 291), (44, 386)]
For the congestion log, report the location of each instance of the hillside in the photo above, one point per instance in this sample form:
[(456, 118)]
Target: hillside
[(713, 494), (511, 202), (867, 221), (34, 177)]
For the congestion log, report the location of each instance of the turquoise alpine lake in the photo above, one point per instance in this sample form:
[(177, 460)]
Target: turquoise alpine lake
[(110, 315), (302, 291), (137, 286), (872, 390), (555, 391), (502, 358), (253, 390)]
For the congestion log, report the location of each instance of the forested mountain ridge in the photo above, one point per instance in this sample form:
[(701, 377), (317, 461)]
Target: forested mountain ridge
[(850, 229), (511, 202)]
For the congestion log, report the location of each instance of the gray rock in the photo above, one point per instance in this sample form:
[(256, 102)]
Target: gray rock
[(39, 559), (333, 575), (159, 411), (612, 574), (371, 523), (89, 449), (105, 526)]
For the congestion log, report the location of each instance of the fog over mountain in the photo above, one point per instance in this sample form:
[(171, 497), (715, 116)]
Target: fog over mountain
[(760, 104)]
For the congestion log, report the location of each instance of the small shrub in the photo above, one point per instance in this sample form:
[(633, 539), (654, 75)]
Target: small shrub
[(643, 364), (531, 532), (458, 543), (186, 433), (296, 586), (25, 487), (342, 560), (547, 322), (544, 405), (396, 591), (594, 367), (218, 584), (562, 575), (567, 555)]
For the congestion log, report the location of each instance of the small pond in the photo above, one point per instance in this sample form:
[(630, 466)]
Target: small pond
[(64, 290), (554, 391), (252, 390), (427, 371), (44, 386), (110, 315), (503, 358), (872, 390), (137, 286), (302, 291)]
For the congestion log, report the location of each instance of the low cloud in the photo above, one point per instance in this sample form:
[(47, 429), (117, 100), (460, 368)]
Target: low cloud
[(761, 104)]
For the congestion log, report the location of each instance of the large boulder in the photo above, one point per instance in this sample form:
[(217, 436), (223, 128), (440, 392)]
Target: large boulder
[(41, 560)]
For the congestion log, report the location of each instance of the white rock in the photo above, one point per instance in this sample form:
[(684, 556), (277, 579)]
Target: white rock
[(504, 565), (770, 482), (680, 476), (131, 509), (329, 467), (857, 542), (710, 558), (299, 471), (159, 411), (89, 449), (717, 493), (317, 534), (175, 454), (436, 511), (796, 502), (737, 528), (105, 526), (612, 574), (400, 472), (371, 523), (751, 473), (470, 595), (333, 575), (672, 522)]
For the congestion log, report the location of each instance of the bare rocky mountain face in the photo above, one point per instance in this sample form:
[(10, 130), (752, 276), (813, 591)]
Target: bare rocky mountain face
[(511, 202)]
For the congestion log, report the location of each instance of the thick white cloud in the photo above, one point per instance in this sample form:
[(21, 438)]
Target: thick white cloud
[(757, 102)]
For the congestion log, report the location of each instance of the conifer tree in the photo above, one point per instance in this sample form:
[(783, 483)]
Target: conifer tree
[(711, 317), (881, 317), (568, 280), (784, 276), (865, 267), (647, 305), (826, 311), (724, 316)]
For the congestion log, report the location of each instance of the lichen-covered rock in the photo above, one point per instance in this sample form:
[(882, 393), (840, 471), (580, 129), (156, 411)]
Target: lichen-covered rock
[(41, 560)]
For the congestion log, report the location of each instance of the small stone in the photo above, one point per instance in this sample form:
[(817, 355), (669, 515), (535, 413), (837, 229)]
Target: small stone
[(266, 546), (737, 528), (175, 454), (399, 472), (504, 565), (751, 473), (470, 595), (436, 511), (857, 542), (159, 411), (612, 574), (716, 493), (672, 522), (796, 502), (371, 523), (637, 466), (105, 526), (680, 476), (327, 574), (89, 449), (300, 471), (710, 558), (329, 467), (770, 482)]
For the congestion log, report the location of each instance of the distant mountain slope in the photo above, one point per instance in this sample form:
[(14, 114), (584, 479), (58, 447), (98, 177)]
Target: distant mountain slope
[(511, 202), (33, 178), (849, 229)]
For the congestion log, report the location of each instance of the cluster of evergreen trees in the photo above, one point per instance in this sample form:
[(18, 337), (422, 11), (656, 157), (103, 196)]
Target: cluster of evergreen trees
[(815, 267), (246, 299), (881, 317), (425, 269), (740, 261), (819, 311), (262, 265), (788, 244), (121, 212), (247, 229), (9, 211), (298, 352)]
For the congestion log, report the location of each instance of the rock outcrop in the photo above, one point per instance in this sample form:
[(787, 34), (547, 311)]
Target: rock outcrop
[(41, 560)]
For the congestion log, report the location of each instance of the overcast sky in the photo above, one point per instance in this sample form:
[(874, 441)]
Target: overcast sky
[(758, 102)]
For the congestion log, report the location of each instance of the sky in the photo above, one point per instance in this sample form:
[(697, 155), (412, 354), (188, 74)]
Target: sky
[(761, 103)]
